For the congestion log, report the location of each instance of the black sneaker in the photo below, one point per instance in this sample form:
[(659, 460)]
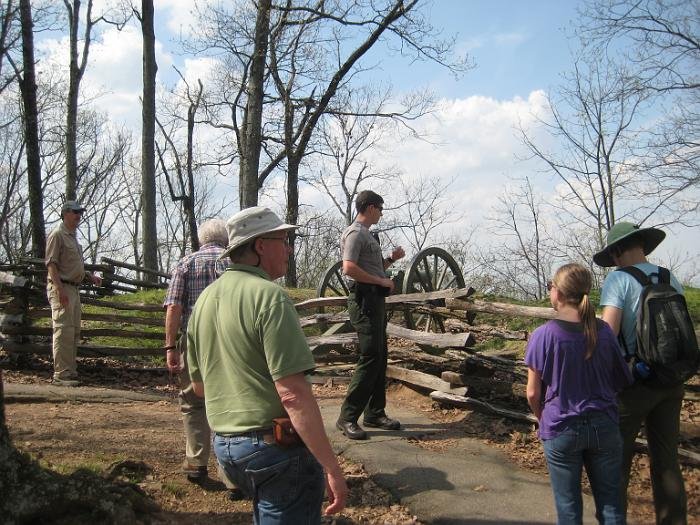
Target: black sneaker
[(382, 422)]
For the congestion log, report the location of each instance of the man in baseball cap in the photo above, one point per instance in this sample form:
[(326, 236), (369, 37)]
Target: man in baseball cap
[(248, 358), (66, 273)]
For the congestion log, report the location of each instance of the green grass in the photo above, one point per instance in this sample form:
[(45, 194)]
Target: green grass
[(93, 467), (300, 294), (692, 297), (175, 489)]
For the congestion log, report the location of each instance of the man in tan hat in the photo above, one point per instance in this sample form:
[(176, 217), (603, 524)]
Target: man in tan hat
[(248, 357), (657, 407), (66, 272)]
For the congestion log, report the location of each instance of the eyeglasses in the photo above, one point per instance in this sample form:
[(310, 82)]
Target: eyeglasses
[(550, 285), (76, 212), (285, 240), (380, 208)]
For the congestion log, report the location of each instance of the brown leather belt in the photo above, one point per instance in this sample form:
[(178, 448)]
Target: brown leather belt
[(72, 283)]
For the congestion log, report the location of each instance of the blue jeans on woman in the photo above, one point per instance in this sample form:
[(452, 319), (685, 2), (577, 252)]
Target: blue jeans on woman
[(591, 440), (286, 484)]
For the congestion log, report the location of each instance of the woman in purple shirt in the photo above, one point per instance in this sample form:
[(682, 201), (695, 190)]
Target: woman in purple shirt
[(575, 369)]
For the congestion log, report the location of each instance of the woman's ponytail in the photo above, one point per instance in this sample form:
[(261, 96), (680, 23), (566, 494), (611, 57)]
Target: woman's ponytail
[(574, 281)]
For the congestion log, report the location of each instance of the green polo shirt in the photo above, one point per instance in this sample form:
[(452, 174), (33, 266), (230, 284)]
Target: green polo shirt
[(243, 335)]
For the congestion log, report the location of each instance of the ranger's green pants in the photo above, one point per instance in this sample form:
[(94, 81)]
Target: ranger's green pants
[(367, 389)]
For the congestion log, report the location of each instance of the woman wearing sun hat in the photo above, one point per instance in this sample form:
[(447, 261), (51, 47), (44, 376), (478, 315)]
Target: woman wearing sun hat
[(657, 407)]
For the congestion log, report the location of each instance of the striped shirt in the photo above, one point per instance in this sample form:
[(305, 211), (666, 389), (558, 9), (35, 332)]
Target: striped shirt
[(192, 275)]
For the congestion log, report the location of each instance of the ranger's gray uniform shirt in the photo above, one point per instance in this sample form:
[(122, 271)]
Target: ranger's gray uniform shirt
[(358, 246)]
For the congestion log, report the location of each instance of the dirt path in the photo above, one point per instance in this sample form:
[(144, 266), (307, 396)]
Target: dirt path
[(145, 438)]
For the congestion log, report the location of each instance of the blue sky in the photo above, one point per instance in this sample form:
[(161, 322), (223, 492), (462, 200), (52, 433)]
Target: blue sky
[(520, 49)]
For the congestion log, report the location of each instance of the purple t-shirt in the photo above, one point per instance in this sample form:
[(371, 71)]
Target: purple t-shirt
[(571, 383)]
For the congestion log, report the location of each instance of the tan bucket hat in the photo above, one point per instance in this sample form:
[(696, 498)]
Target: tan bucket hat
[(250, 223)]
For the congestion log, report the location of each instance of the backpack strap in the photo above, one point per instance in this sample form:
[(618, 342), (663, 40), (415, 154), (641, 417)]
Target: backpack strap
[(638, 274), (643, 279), (664, 275)]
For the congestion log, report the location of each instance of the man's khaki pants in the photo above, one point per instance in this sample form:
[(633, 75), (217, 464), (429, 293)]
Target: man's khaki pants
[(66, 330), (194, 416)]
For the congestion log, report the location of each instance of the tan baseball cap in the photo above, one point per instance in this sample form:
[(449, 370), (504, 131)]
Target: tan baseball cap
[(72, 206)]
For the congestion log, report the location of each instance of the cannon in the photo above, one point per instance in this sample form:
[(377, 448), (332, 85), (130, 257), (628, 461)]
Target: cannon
[(430, 269)]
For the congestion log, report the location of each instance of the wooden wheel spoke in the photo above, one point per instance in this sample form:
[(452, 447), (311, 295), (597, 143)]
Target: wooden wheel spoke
[(336, 290), (430, 270), (339, 276), (425, 279), (439, 286)]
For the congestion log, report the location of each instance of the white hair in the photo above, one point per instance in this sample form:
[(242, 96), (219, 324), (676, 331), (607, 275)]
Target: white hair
[(213, 230)]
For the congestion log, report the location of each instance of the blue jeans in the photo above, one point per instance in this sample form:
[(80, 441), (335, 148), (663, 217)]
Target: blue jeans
[(591, 440), (286, 484)]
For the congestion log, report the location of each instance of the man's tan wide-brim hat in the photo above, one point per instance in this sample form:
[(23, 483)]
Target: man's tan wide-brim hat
[(250, 223), (650, 237)]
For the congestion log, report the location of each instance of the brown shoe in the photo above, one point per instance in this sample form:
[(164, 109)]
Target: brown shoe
[(65, 382), (194, 472)]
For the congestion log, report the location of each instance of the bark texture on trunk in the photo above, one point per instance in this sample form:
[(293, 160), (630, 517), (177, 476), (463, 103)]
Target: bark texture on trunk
[(31, 132), (148, 158)]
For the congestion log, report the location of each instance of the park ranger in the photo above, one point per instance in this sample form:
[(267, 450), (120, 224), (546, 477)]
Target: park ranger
[(66, 272)]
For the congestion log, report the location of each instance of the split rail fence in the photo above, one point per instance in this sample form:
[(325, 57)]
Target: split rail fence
[(441, 364)]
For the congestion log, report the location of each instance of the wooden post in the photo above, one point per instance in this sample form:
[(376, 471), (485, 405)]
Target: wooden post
[(108, 277)]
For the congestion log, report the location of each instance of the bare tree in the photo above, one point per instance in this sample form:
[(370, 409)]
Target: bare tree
[(524, 252), (598, 148), (346, 143), (250, 135), (309, 62), (31, 131), (148, 129), (659, 41), (76, 71), (421, 211)]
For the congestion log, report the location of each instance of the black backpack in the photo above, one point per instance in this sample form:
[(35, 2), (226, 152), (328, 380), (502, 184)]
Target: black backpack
[(666, 339)]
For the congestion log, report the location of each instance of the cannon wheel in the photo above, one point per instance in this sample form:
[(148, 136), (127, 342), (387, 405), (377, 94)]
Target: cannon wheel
[(430, 270), (333, 284)]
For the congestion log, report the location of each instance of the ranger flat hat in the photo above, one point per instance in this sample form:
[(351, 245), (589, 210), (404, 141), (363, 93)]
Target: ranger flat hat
[(73, 206), (250, 223), (650, 237)]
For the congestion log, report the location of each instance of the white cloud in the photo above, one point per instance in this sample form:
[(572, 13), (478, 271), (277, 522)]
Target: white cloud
[(510, 39), (474, 142), (179, 15)]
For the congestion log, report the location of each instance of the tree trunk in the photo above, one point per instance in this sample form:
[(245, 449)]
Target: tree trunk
[(292, 215), (148, 159), (31, 133), (189, 201), (74, 76), (252, 122)]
